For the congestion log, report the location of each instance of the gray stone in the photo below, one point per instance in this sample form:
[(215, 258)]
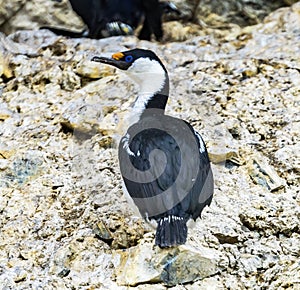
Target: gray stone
[(262, 173), (8, 9), (145, 264)]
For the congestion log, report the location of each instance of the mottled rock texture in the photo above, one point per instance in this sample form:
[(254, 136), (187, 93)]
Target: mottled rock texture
[(20, 14), (64, 221)]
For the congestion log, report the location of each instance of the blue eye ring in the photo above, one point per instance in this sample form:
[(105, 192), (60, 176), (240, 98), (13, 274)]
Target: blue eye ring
[(128, 58)]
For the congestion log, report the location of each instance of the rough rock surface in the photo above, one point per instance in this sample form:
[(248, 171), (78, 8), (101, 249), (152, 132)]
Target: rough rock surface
[(223, 13), (19, 14), (9, 8), (64, 221), (179, 265)]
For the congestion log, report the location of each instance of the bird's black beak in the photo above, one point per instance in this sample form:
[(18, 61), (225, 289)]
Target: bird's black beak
[(112, 61)]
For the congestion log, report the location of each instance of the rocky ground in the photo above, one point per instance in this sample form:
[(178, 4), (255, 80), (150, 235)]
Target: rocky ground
[(21, 14), (64, 221)]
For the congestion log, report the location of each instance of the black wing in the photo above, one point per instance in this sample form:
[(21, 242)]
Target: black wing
[(116, 17), (97, 14), (165, 170)]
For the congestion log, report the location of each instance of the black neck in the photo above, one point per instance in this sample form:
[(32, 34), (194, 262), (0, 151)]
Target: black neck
[(158, 101)]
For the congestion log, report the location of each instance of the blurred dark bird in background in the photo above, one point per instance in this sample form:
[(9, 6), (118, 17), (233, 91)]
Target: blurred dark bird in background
[(105, 18)]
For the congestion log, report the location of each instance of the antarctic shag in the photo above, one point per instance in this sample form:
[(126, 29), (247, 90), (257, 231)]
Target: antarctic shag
[(163, 160)]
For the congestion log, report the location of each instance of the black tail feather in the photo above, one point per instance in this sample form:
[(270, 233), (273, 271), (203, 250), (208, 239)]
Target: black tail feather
[(171, 231)]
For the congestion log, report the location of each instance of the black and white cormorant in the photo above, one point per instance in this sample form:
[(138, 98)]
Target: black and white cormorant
[(163, 160)]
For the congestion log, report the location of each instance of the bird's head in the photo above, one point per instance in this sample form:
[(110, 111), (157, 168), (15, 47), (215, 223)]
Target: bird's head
[(142, 65)]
